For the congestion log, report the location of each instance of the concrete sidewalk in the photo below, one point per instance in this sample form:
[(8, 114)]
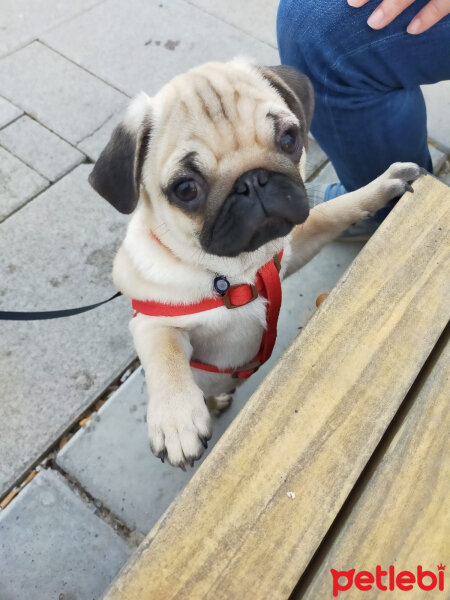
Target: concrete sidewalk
[(66, 72)]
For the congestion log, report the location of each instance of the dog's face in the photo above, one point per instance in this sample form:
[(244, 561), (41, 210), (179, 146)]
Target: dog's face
[(216, 156)]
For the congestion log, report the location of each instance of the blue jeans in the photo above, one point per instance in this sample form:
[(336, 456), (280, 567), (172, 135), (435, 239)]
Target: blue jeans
[(370, 111)]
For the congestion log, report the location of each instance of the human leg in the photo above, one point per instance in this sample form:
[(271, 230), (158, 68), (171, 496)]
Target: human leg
[(370, 111)]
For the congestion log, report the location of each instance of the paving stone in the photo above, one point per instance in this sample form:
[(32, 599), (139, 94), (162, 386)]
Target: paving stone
[(110, 456), (62, 96), (22, 20), (8, 112), (94, 143), (160, 40), (55, 253), (316, 157), (18, 183), (39, 148), (52, 545), (255, 17), (326, 175), (437, 98), (437, 157)]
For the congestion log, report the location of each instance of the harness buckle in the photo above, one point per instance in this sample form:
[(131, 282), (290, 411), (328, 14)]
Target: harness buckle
[(227, 301)]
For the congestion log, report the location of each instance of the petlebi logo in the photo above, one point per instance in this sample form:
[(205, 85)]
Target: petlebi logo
[(389, 580)]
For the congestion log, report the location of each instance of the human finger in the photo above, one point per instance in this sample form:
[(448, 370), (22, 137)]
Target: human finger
[(386, 12), (430, 14), (357, 3)]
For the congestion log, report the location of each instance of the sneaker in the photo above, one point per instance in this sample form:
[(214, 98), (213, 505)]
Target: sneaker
[(358, 232)]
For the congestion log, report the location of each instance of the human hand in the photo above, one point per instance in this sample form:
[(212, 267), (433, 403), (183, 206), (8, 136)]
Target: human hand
[(388, 10)]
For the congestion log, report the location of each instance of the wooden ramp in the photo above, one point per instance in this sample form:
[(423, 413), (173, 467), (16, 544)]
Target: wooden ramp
[(340, 458)]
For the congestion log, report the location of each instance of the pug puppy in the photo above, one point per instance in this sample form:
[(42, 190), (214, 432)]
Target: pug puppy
[(212, 168)]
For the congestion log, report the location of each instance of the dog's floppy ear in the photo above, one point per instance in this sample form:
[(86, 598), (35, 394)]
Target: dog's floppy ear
[(296, 90), (117, 173)]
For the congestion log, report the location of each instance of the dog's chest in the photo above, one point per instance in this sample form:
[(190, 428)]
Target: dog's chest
[(229, 337)]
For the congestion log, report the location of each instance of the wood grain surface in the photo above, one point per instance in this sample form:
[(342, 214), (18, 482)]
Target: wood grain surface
[(234, 533), (402, 517)]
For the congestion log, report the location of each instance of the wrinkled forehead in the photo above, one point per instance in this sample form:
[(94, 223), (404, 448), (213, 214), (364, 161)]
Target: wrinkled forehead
[(216, 91), (216, 110)]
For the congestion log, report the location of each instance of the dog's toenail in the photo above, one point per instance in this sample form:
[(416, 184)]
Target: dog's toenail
[(160, 455)]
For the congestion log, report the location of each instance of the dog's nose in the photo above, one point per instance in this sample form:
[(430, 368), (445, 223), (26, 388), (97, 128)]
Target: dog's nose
[(249, 180)]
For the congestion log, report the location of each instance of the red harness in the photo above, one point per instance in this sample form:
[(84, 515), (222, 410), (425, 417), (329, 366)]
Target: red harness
[(267, 284)]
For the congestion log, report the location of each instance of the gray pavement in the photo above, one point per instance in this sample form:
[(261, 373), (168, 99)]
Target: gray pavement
[(437, 98), (66, 73), (65, 97), (53, 545), (18, 183), (51, 256), (39, 148), (160, 40), (8, 112), (23, 20)]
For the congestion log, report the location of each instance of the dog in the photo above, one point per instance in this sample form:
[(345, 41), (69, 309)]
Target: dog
[(213, 170)]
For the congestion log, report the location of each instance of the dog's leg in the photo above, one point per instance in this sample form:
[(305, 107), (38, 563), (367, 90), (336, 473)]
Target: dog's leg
[(178, 420), (327, 220), (219, 403)]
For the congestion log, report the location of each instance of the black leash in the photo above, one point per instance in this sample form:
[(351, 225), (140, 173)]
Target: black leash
[(51, 314)]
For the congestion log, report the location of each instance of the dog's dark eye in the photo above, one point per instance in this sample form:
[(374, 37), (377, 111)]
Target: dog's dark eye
[(288, 141), (186, 190)]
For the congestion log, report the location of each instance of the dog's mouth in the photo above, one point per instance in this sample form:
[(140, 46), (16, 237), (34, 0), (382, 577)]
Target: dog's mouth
[(263, 206), (272, 229)]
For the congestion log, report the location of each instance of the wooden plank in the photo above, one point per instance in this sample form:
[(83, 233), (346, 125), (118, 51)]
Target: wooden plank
[(402, 517), (310, 427)]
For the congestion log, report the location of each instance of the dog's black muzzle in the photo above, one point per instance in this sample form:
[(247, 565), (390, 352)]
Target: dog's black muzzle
[(262, 206)]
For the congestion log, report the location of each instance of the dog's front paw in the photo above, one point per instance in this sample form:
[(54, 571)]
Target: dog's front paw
[(398, 179), (391, 185), (179, 428)]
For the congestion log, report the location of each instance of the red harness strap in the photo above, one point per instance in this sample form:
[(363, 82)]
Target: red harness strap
[(267, 284)]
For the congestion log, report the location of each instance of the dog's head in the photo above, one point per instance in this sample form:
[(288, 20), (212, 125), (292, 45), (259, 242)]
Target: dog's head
[(215, 155)]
